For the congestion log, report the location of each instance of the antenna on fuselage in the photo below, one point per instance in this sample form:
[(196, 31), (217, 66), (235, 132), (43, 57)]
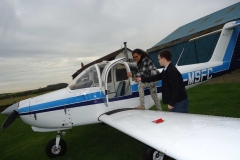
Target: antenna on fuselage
[(179, 58)]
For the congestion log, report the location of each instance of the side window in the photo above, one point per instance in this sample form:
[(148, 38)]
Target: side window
[(95, 76), (121, 73), (109, 79), (133, 70), (85, 79)]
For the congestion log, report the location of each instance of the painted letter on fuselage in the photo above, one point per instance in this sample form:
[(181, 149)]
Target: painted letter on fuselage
[(203, 74), (190, 78), (198, 76), (209, 72)]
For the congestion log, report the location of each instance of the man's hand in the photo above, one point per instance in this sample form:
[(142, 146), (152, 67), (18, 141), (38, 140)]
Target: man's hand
[(170, 107), (137, 79), (129, 74)]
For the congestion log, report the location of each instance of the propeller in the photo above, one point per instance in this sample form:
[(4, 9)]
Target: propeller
[(12, 115), (10, 119)]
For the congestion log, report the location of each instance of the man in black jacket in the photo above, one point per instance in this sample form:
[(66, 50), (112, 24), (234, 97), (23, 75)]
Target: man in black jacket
[(173, 89)]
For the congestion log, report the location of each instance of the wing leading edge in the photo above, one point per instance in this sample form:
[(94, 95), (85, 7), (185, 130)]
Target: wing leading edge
[(180, 136)]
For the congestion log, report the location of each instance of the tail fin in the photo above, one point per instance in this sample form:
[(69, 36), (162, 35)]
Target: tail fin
[(228, 47)]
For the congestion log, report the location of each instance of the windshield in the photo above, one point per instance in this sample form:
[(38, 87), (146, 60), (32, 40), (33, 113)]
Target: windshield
[(87, 78)]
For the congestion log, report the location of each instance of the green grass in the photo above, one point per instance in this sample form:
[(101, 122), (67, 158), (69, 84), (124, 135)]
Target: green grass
[(102, 142), (215, 99), (88, 142)]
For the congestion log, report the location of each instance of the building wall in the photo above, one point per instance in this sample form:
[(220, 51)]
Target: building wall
[(197, 51), (122, 54)]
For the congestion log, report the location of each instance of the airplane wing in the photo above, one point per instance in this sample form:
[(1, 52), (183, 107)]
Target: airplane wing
[(180, 135)]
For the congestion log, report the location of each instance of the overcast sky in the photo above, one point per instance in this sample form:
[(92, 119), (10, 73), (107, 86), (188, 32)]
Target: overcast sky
[(44, 42)]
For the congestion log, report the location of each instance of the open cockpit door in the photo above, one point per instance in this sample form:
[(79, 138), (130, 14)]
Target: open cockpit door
[(119, 85)]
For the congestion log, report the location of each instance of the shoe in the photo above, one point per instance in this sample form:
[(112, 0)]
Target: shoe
[(140, 107)]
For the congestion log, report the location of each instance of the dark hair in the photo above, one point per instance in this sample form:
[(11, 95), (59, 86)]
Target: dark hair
[(165, 54), (142, 53)]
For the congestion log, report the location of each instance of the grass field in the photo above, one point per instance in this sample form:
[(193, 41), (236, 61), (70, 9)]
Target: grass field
[(102, 142)]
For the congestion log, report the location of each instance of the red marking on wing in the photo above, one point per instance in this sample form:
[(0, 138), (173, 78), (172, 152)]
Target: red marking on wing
[(160, 120)]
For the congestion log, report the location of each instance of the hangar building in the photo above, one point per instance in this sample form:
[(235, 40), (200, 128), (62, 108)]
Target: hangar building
[(188, 51)]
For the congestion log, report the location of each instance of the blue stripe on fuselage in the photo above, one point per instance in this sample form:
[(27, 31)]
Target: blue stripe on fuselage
[(59, 103), (71, 102)]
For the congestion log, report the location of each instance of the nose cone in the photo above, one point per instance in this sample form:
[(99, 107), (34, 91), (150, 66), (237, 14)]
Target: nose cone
[(10, 109)]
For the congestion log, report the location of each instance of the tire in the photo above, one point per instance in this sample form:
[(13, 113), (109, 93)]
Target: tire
[(51, 148), (150, 153)]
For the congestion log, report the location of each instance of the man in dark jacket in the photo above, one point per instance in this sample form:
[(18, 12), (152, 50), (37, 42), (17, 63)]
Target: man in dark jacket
[(173, 89)]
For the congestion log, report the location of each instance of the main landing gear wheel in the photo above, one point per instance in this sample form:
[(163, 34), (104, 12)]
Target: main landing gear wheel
[(152, 154), (53, 151)]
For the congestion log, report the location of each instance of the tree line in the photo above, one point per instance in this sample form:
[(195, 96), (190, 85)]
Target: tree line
[(49, 88)]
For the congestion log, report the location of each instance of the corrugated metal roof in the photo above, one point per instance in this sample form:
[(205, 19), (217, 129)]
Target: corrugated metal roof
[(108, 57), (210, 21)]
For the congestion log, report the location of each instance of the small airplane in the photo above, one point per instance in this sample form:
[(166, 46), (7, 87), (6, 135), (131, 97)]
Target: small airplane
[(103, 93)]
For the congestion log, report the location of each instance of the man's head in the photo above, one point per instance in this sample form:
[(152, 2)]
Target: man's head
[(164, 57)]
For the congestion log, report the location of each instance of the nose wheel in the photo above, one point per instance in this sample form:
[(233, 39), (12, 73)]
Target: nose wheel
[(56, 147)]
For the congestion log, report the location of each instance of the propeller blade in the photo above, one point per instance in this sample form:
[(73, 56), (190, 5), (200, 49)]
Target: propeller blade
[(10, 119)]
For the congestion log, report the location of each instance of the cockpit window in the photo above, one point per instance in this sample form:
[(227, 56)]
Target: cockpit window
[(134, 71), (121, 73), (85, 79), (109, 79)]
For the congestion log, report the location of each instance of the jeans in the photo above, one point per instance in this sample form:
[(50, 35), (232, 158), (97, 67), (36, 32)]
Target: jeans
[(181, 107)]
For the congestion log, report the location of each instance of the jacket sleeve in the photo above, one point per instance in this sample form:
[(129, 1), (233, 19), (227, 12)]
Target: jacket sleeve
[(151, 68), (137, 74), (175, 81), (152, 78)]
